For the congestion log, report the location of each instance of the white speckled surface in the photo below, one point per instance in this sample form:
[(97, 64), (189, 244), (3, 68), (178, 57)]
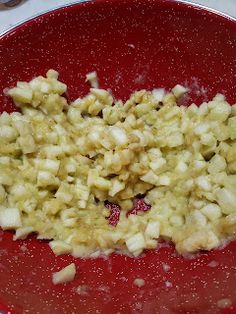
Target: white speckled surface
[(74, 55), (29, 8)]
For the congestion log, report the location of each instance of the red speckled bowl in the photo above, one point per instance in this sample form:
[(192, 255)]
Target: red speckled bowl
[(132, 44)]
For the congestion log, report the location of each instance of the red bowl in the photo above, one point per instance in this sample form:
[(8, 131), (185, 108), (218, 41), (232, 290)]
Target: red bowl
[(132, 44)]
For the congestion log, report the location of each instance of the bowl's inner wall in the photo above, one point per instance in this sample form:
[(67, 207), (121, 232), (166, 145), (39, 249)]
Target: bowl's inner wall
[(131, 44)]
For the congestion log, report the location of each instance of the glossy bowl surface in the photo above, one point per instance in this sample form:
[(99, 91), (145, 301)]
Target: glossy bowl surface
[(132, 44)]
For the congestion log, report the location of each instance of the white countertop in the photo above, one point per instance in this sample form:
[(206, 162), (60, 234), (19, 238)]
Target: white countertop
[(29, 8)]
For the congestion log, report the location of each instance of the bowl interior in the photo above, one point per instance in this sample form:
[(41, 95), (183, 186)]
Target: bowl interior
[(132, 44)]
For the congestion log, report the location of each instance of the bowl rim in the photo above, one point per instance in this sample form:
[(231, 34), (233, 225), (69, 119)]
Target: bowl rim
[(12, 29)]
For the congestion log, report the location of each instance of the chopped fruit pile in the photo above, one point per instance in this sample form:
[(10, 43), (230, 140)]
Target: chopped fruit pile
[(99, 175)]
